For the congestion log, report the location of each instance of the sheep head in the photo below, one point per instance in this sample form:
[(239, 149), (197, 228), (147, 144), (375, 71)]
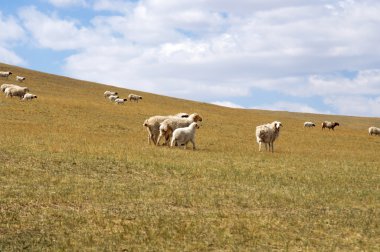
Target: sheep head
[(196, 117), (277, 125)]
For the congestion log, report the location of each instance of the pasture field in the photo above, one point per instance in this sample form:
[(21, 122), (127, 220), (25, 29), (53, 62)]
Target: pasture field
[(77, 173)]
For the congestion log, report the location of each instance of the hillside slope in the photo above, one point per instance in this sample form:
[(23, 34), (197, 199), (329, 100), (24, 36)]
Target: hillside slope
[(77, 173)]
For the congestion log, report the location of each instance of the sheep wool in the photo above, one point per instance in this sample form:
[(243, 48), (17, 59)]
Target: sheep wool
[(267, 134), (182, 136)]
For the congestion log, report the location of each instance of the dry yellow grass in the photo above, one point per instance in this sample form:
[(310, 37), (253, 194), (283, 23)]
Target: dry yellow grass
[(77, 173)]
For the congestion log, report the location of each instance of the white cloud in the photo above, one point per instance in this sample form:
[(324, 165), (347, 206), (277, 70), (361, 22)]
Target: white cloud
[(227, 104), (67, 3), (291, 106), (355, 105)]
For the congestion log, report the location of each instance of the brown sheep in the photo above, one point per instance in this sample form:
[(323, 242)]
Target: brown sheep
[(329, 125)]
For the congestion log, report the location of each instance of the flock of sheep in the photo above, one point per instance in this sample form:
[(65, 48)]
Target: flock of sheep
[(13, 90), (178, 129)]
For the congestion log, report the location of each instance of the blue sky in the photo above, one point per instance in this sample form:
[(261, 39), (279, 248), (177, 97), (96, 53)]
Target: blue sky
[(317, 56)]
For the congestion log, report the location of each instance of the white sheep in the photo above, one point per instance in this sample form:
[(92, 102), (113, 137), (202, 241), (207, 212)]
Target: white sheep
[(120, 101), (20, 78), (16, 91), (182, 136), (29, 96), (4, 86), (109, 93), (133, 97), (112, 98), (309, 124), (374, 131), (267, 134), (169, 125), (5, 74), (152, 125)]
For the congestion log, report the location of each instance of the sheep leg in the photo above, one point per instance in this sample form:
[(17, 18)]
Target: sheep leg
[(259, 146), (159, 138), (193, 144), (172, 143)]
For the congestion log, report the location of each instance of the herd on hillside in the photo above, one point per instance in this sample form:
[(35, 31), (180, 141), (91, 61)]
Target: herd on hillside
[(174, 130)]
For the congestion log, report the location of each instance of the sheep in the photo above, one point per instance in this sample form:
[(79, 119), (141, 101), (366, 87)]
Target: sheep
[(267, 134), (182, 136), (112, 98), (5, 74), (16, 91), (120, 101), (109, 93), (20, 78), (133, 97), (309, 124), (329, 125), (169, 125), (152, 125), (29, 96), (4, 86), (183, 115), (374, 131)]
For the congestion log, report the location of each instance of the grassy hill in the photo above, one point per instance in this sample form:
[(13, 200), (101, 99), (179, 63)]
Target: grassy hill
[(77, 173)]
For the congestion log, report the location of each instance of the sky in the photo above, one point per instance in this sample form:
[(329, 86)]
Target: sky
[(315, 56)]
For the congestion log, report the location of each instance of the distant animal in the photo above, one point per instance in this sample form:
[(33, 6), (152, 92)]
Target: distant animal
[(309, 124), (109, 93), (374, 131), (20, 78), (5, 74), (112, 98), (120, 101), (16, 91), (29, 96), (133, 97), (267, 134), (182, 136), (329, 125)]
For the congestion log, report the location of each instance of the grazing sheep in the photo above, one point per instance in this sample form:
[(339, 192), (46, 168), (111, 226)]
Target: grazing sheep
[(152, 125), (169, 125), (182, 136), (16, 91), (4, 86), (109, 93), (120, 101), (374, 131), (329, 125), (112, 98), (20, 78), (133, 97), (29, 96), (309, 124), (5, 74), (267, 134)]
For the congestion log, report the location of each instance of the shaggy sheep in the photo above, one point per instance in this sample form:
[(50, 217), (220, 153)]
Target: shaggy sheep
[(309, 124), (112, 98), (169, 125), (4, 86), (16, 91), (29, 96), (374, 131), (120, 101), (133, 97), (329, 125), (182, 136), (109, 93), (152, 125), (20, 78), (5, 74), (267, 134)]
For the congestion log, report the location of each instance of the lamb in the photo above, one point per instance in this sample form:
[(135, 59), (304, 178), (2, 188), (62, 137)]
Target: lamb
[(4, 86), (5, 74), (120, 101), (16, 91), (374, 131), (29, 96), (20, 78), (182, 136), (133, 97), (109, 93), (267, 134), (169, 125), (112, 98), (152, 125), (309, 124), (329, 125)]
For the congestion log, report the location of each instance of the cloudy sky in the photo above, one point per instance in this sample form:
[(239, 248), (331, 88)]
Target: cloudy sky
[(318, 56)]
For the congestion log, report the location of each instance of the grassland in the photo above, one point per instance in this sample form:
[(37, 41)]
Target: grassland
[(77, 173)]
